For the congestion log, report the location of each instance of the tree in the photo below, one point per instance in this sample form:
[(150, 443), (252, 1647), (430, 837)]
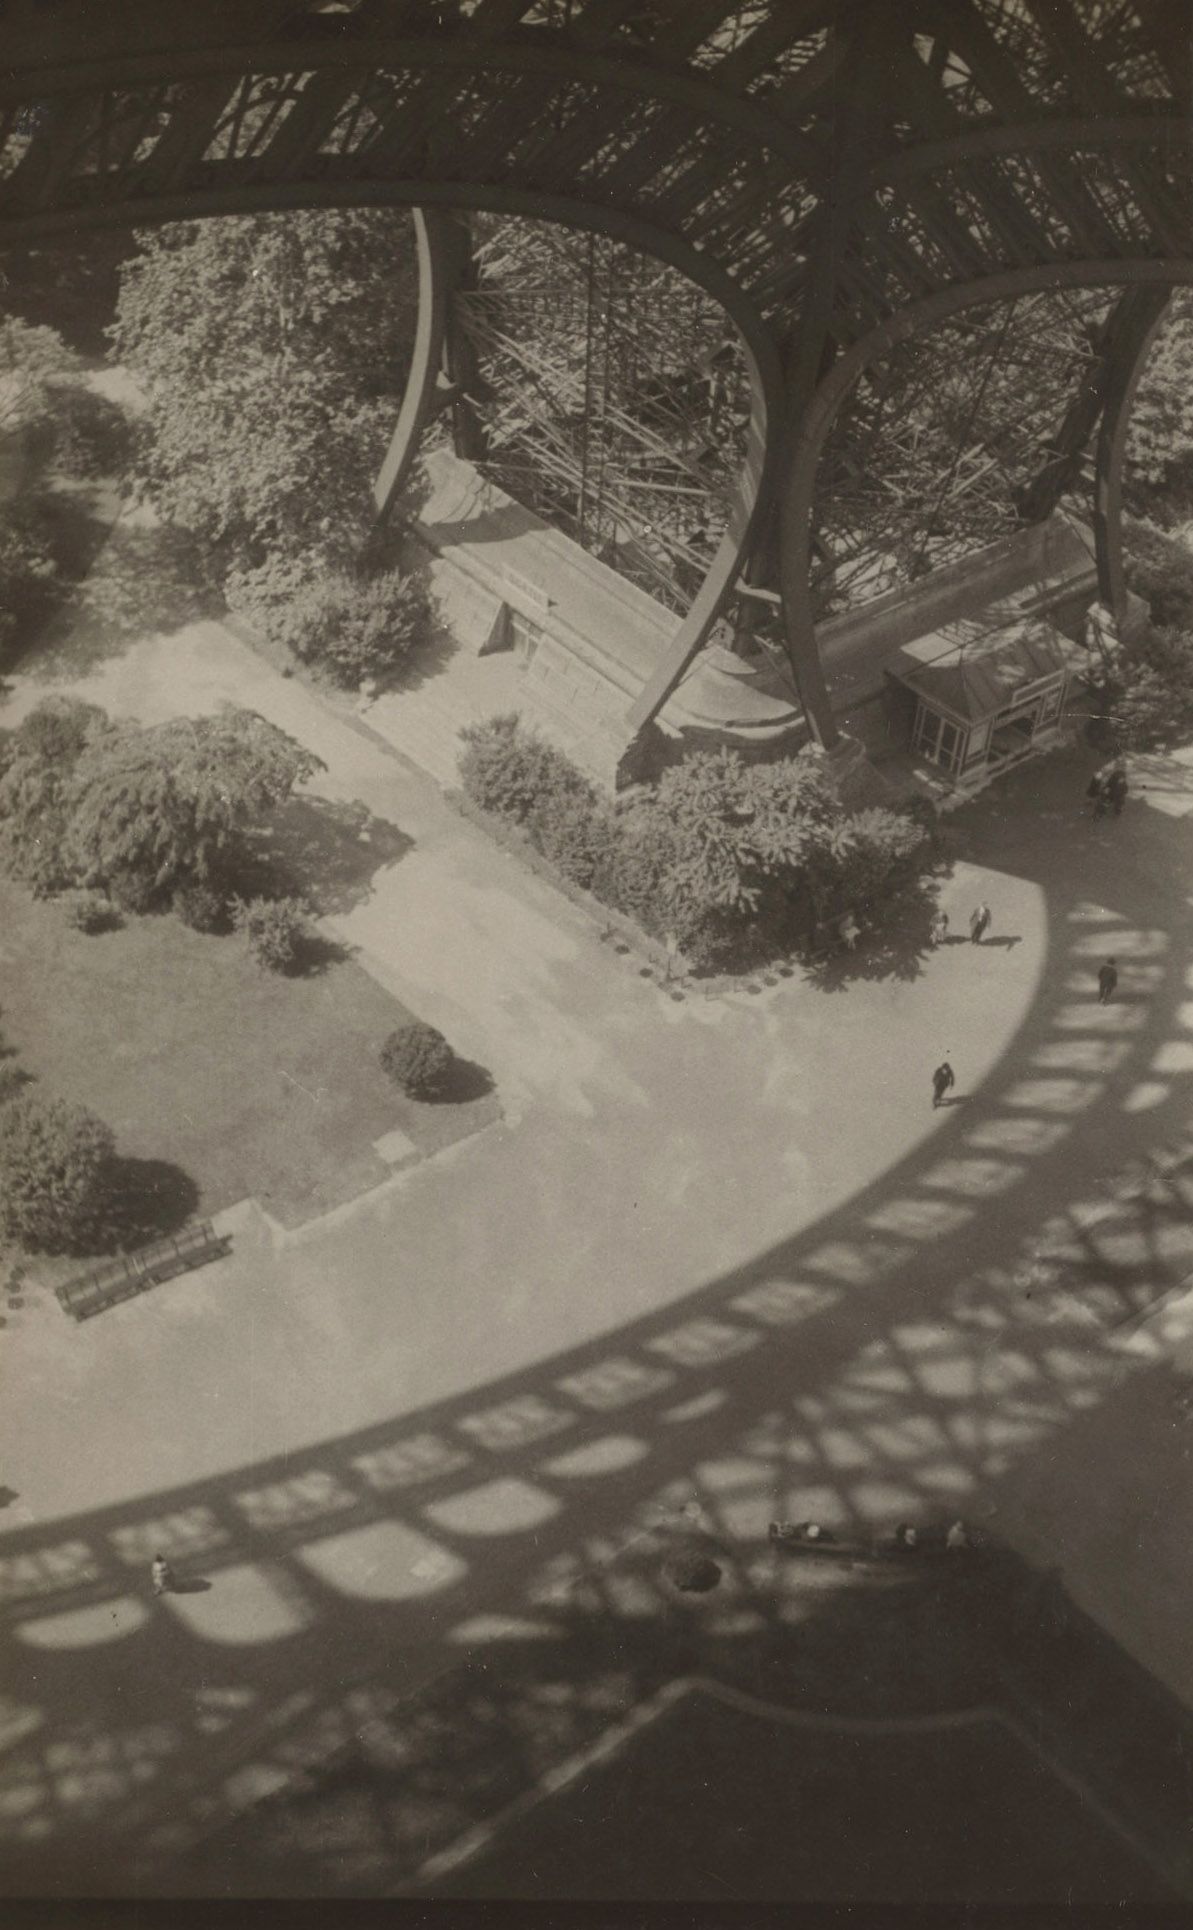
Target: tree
[(170, 804), (1160, 438), (273, 352), (32, 361), (55, 1172), (37, 764), (137, 810), (743, 827)]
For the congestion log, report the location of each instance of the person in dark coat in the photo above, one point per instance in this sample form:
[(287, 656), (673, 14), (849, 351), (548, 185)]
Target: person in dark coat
[(1107, 980), (942, 1079), (979, 923), (1116, 789)]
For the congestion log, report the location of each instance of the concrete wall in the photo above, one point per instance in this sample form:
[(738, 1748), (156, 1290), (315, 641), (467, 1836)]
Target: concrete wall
[(600, 636)]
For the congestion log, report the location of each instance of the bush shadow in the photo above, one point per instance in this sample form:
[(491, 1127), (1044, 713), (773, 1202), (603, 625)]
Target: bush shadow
[(316, 953), (148, 1199), (463, 1082), (895, 947), (130, 582)]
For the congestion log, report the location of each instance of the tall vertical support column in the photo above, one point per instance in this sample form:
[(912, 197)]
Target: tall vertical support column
[(813, 352), (444, 262), (1147, 307)]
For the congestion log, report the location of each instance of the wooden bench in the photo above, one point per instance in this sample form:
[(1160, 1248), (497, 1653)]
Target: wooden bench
[(133, 1273)]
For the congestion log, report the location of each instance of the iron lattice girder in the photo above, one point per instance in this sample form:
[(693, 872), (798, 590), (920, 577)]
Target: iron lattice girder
[(1035, 134)]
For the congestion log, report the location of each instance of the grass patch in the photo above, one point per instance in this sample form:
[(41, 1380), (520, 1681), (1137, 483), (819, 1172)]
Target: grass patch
[(250, 1084)]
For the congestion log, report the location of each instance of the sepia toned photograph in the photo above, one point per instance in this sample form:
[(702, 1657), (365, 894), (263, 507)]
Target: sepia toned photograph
[(596, 985)]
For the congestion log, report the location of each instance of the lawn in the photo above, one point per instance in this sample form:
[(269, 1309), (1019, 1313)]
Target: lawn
[(251, 1084)]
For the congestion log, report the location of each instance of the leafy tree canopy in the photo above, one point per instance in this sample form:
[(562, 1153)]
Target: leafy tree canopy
[(55, 1168), (273, 351), (1160, 443), (85, 801)]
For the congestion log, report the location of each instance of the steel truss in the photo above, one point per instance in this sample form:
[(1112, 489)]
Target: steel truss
[(841, 176)]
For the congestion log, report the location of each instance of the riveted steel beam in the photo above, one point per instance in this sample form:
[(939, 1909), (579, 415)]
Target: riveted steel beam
[(1142, 324), (810, 434)]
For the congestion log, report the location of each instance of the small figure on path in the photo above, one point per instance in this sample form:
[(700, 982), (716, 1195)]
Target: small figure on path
[(943, 1079), (1096, 789), (957, 1538), (1107, 980), (162, 1574), (979, 923), (1116, 789), (850, 931), (940, 929), (906, 1536)]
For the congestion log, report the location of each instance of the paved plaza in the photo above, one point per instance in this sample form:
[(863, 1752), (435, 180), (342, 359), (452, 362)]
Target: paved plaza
[(718, 1253)]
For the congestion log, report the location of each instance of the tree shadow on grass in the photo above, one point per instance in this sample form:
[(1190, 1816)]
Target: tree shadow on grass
[(327, 851), (463, 1082), (149, 1199)]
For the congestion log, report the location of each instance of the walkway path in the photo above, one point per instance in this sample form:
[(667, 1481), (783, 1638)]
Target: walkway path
[(724, 1247)]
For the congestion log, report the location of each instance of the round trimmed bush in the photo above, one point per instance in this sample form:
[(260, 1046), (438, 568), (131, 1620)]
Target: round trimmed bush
[(417, 1058), (55, 1172), (91, 911), (202, 908)]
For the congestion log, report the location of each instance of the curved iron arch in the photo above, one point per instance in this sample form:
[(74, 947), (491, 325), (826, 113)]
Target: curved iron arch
[(756, 479), (797, 488), (639, 140)]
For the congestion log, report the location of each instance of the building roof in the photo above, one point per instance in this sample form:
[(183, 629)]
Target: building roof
[(973, 673)]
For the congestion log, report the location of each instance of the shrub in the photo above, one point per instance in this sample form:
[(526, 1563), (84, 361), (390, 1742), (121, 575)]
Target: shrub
[(275, 928), (1150, 693), (351, 627), (91, 911), (56, 1163), (576, 834), (417, 1058), (1160, 569), (514, 772), (202, 908)]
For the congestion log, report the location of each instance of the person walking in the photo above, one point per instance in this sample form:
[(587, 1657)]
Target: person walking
[(979, 923), (942, 1080), (940, 929), (1097, 791), (1116, 789), (1107, 980), (162, 1575)]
